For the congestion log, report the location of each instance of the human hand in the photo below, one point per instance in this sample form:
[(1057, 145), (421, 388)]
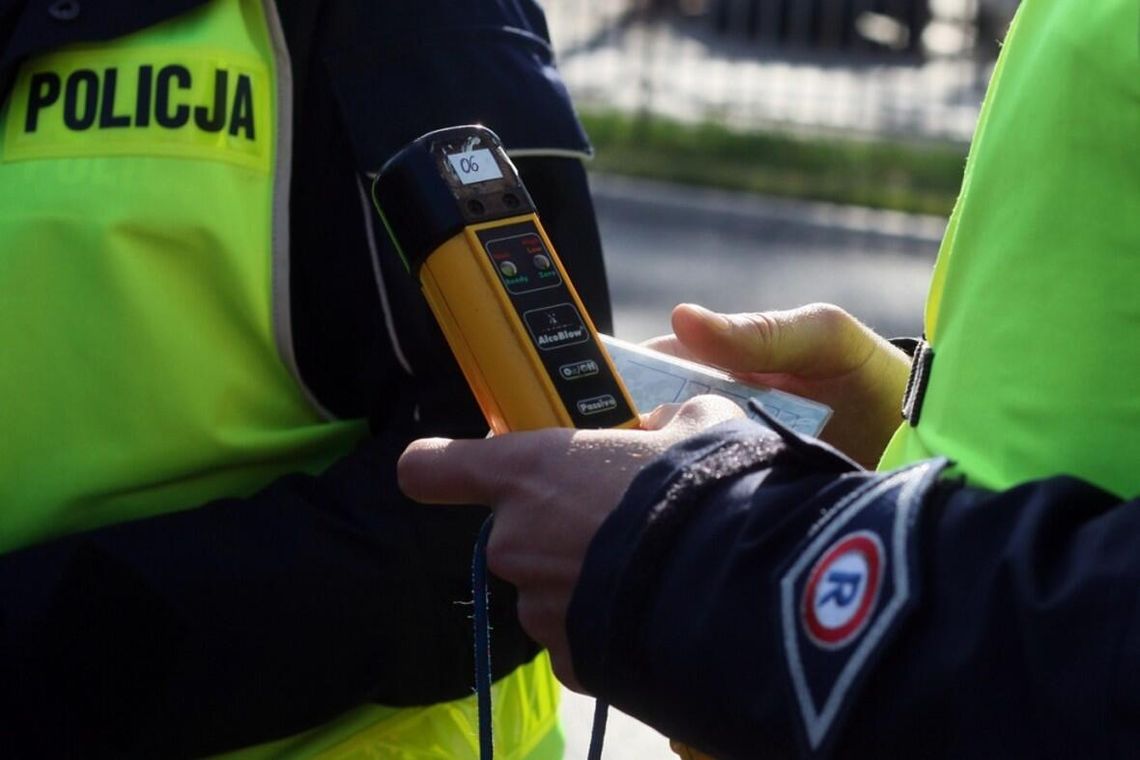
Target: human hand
[(818, 351), (550, 490)]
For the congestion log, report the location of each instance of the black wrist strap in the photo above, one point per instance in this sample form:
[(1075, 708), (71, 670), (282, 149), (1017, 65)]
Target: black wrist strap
[(921, 362)]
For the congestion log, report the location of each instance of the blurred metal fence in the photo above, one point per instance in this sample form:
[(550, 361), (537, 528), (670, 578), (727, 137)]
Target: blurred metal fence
[(884, 68)]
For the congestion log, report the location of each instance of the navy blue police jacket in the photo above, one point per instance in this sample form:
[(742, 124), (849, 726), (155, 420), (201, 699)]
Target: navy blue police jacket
[(93, 626), (760, 596)]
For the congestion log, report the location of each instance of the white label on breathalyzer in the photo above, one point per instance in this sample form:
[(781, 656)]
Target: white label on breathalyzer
[(473, 166)]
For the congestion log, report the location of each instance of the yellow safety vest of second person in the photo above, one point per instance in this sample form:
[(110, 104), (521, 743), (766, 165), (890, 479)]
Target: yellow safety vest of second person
[(1032, 312)]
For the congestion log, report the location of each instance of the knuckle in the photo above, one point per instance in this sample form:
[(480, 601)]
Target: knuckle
[(828, 316), (500, 554), (530, 616), (660, 416), (708, 407), (763, 327)]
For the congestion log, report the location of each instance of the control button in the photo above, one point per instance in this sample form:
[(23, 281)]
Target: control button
[(575, 370), (64, 10), (597, 404), (508, 268), (541, 262)]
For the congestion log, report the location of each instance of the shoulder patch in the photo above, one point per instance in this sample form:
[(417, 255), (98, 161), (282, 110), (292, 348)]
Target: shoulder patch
[(846, 592)]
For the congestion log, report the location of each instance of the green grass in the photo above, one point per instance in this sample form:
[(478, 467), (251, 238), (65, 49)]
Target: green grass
[(914, 177)]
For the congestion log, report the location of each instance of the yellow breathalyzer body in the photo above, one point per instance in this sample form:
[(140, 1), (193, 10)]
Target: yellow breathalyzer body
[(457, 211)]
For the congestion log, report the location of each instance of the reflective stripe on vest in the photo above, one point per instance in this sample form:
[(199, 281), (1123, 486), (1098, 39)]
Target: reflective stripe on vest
[(147, 364), (1033, 312)]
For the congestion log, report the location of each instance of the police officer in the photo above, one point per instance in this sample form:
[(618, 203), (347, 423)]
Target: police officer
[(756, 594), (211, 361)]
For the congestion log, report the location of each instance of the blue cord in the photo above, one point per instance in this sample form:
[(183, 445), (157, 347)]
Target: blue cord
[(482, 599), (598, 733), (483, 642)]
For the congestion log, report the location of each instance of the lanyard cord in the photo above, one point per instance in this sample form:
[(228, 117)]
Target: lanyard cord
[(598, 731), (483, 641), (482, 598)]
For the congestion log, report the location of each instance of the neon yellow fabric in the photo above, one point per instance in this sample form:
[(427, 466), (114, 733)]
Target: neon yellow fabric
[(525, 712), (140, 367), (140, 364), (1032, 311)]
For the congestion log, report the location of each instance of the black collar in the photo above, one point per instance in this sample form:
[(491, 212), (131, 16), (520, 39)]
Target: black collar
[(39, 25)]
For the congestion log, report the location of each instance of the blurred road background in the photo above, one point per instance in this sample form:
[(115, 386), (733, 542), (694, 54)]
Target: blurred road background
[(903, 68), (853, 117), (737, 252)]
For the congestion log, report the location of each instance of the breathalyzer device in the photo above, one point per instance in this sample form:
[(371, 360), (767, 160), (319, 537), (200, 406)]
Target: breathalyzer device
[(463, 222)]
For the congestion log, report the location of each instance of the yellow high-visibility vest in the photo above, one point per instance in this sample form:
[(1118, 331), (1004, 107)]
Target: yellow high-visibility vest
[(1032, 313)]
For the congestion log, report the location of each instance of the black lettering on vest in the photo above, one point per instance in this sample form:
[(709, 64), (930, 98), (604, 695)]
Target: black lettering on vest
[(75, 119), (107, 116), (142, 97), (42, 92), (242, 116), (89, 100), (162, 112), (204, 120)]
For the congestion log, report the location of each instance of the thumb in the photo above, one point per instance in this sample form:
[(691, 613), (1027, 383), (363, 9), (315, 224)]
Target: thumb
[(818, 340)]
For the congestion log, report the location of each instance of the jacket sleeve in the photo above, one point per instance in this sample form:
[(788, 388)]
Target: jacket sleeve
[(242, 620), (757, 597)]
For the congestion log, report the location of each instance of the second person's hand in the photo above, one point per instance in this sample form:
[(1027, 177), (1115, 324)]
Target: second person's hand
[(818, 351)]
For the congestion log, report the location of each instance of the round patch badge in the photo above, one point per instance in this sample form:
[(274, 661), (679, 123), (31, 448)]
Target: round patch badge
[(842, 590)]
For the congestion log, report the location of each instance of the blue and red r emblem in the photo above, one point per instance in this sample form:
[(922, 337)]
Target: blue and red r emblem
[(842, 589)]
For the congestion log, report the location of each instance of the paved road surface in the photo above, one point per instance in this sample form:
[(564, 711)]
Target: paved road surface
[(666, 244)]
